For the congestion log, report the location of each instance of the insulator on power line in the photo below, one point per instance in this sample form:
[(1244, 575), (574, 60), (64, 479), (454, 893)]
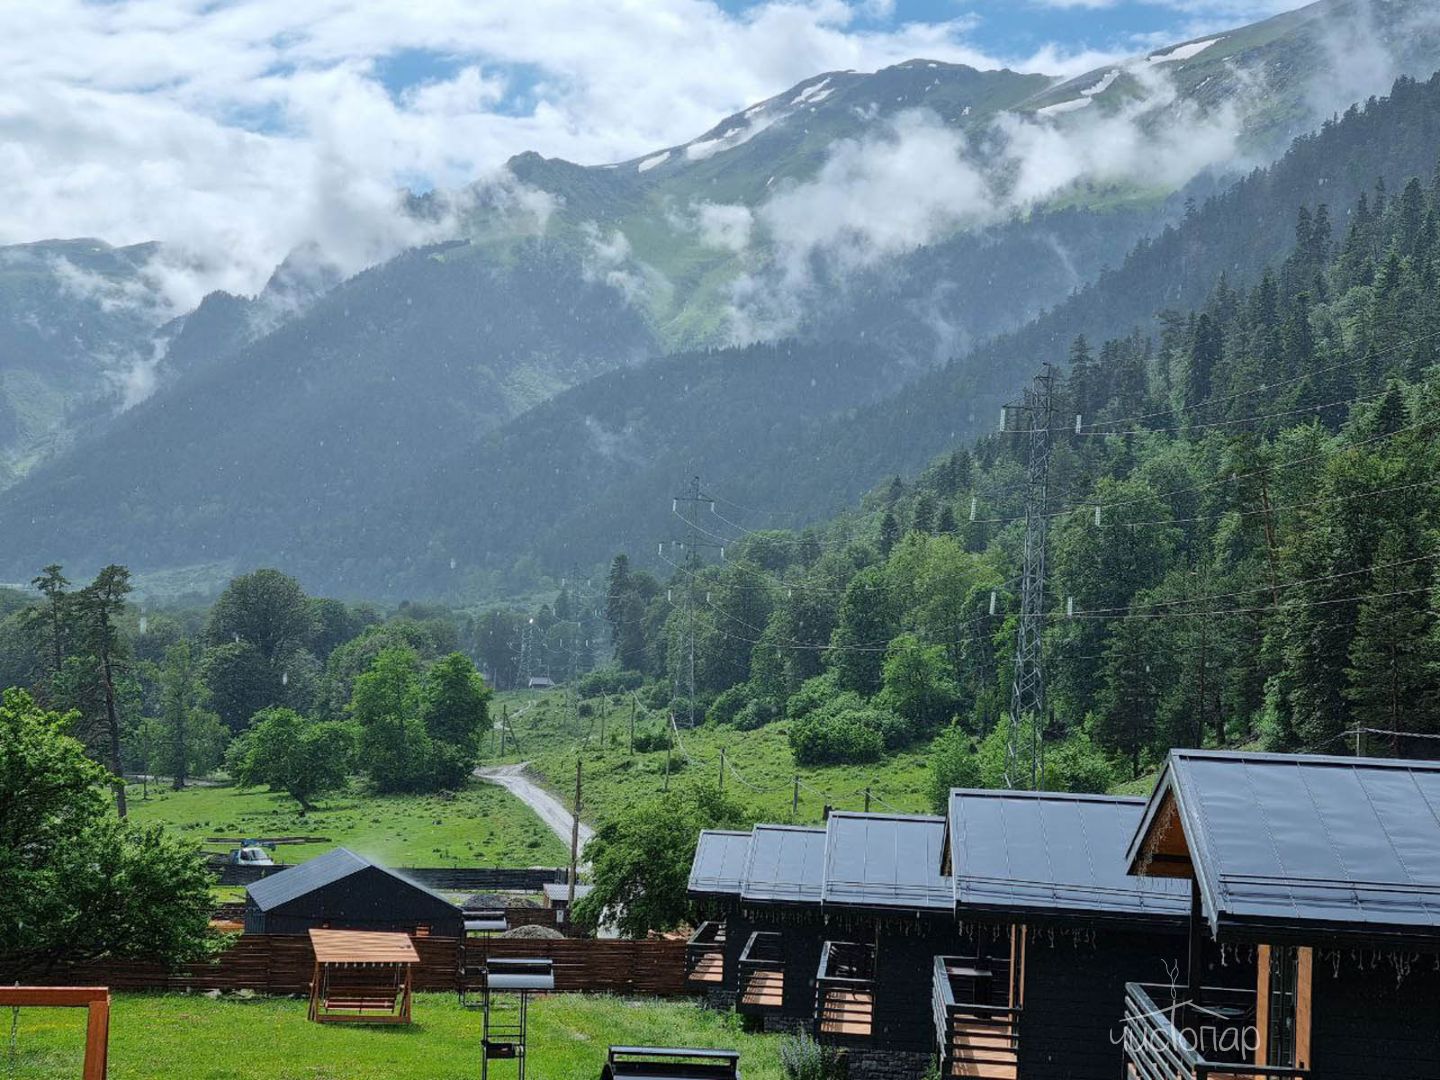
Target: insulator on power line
[(1097, 515), (712, 506), (1003, 411), (1077, 423), (974, 504), (661, 549), (674, 506), (722, 551), (670, 596), (992, 601), (1070, 607), (707, 598)]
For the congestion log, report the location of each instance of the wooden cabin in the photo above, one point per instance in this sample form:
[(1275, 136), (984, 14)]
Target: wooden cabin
[(1055, 929), (889, 912), (344, 891), (781, 925), (712, 955), (1321, 875)]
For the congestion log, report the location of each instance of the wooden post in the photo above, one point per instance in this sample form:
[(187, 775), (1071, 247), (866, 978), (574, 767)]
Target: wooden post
[(632, 725), (574, 844), (97, 1039), (722, 769), (795, 799), (1197, 941), (867, 798)]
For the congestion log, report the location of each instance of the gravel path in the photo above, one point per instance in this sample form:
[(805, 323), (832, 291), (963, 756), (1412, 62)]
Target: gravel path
[(550, 809)]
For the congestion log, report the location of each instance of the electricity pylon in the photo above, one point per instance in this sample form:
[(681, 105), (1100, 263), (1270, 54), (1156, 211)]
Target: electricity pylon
[(1035, 415)]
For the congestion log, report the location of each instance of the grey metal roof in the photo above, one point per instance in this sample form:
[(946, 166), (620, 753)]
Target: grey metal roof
[(885, 860), (786, 864), (335, 865), (1053, 853), (556, 891), (719, 863), (1305, 842)]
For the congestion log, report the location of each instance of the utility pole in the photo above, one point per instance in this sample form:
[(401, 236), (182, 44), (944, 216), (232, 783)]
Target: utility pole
[(795, 799), (867, 798), (574, 842), (1035, 414), (692, 544), (669, 742), (722, 770), (632, 725)]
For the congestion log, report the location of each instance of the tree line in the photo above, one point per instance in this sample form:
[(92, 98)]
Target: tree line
[(1242, 542)]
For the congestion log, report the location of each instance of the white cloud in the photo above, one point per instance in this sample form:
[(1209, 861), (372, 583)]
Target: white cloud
[(235, 132)]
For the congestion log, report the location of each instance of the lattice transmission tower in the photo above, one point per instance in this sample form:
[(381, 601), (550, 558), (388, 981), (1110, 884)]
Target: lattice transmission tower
[(1034, 419)]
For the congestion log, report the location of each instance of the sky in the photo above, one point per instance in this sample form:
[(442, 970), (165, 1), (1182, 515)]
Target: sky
[(234, 130)]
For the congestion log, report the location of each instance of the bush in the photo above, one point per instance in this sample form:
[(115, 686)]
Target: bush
[(758, 713), (652, 737), (842, 736), (952, 764), (802, 1058), (729, 705), (656, 695), (608, 680), (814, 694)]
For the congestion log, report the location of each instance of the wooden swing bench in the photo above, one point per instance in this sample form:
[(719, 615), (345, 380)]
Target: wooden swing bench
[(361, 977), (94, 999)]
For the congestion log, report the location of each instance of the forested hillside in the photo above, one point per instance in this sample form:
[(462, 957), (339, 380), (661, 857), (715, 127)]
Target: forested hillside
[(1242, 543)]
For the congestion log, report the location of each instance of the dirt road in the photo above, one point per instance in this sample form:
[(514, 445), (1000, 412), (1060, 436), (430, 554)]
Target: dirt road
[(550, 809)]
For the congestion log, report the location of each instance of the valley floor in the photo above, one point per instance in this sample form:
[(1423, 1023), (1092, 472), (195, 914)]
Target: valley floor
[(192, 1037)]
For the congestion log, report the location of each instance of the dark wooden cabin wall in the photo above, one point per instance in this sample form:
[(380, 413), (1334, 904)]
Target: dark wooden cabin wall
[(1071, 1025), (1369, 1022), (904, 977), (802, 932)]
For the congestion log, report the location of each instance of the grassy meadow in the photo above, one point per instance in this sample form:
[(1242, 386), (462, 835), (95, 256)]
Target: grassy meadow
[(762, 777), (480, 825), (192, 1037)]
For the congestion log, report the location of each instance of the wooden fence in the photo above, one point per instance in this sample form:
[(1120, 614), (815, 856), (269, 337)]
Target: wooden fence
[(283, 964)]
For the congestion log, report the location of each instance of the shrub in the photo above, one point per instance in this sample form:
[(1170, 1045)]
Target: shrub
[(652, 737), (758, 713), (608, 680), (802, 1058), (841, 736), (729, 705)]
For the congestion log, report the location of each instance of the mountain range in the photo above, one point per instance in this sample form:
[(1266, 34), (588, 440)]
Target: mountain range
[(828, 287)]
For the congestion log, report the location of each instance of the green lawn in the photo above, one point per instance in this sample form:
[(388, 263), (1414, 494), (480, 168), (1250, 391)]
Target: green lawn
[(550, 735), (190, 1037), (479, 826)]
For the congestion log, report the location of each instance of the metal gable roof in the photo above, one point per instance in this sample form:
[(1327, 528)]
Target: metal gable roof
[(1051, 852), (885, 860), (336, 865), (1281, 840), (719, 863), (786, 864)]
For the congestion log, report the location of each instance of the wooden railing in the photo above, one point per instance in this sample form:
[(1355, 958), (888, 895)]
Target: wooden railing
[(845, 992), (705, 956), (1179, 1040), (975, 1038), (762, 973)]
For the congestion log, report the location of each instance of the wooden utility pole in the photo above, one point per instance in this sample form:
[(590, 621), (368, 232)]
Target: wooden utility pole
[(632, 725), (795, 799), (722, 768), (574, 843), (867, 798)]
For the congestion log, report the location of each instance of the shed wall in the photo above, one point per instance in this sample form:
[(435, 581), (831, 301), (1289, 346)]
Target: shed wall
[(369, 899)]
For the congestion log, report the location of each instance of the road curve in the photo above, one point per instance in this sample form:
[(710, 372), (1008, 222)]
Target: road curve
[(550, 809)]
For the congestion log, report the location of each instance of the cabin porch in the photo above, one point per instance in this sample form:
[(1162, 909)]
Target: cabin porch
[(977, 1024), (845, 992)]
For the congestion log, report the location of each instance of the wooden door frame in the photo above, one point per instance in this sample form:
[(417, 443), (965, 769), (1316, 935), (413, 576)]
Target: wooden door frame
[(94, 999)]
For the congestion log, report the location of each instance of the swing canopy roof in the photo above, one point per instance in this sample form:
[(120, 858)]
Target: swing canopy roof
[(362, 947)]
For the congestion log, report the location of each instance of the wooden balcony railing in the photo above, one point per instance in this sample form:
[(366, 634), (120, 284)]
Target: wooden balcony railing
[(976, 1029), (1178, 1040), (705, 956), (845, 992), (762, 974)]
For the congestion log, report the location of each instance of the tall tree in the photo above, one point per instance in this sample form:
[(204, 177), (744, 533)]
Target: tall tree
[(53, 586), (100, 603), (192, 737), (268, 609)]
